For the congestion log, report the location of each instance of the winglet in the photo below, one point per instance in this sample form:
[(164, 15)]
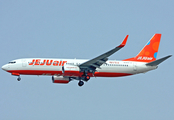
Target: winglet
[(124, 42)]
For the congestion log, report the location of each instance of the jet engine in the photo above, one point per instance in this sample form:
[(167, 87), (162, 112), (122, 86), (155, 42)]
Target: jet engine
[(60, 79)]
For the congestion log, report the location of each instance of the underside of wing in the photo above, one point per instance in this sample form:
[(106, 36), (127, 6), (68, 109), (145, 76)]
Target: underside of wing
[(98, 61)]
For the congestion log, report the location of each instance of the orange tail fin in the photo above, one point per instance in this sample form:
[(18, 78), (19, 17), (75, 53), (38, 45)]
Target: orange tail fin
[(149, 52)]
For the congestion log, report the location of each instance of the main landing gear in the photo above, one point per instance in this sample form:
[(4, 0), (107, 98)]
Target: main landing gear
[(81, 83), (85, 78)]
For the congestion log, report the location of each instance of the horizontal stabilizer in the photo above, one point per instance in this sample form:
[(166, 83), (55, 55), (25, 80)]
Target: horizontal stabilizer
[(157, 62)]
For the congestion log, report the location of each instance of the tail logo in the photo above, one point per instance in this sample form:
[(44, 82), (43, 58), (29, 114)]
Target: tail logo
[(151, 49), (144, 58), (149, 52)]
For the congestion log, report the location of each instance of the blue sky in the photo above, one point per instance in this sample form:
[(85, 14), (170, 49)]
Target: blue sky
[(86, 29)]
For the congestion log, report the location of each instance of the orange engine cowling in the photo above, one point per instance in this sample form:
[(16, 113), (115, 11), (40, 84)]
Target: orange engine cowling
[(60, 79)]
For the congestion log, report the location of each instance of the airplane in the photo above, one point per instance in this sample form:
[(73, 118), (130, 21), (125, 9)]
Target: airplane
[(65, 70)]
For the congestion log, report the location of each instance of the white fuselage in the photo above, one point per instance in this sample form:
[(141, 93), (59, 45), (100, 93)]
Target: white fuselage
[(47, 66)]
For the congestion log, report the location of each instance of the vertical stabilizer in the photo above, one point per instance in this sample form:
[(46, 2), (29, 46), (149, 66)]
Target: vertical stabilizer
[(149, 52)]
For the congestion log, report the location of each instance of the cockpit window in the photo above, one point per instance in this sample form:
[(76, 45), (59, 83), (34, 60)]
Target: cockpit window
[(12, 62)]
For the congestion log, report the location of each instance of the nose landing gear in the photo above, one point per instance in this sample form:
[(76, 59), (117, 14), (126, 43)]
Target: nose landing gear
[(17, 74), (18, 79)]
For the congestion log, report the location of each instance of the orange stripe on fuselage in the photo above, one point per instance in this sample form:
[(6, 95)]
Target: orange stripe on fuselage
[(74, 73)]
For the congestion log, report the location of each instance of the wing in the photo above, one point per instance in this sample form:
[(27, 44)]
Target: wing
[(98, 61)]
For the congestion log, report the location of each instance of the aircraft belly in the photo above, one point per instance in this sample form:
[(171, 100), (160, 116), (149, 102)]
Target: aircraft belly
[(114, 71), (38, 70)]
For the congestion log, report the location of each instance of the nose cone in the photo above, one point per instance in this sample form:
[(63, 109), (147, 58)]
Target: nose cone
[(5, 67)]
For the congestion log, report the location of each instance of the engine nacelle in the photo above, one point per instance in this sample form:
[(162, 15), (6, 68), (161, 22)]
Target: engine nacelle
[(70, 70), (60, 79)]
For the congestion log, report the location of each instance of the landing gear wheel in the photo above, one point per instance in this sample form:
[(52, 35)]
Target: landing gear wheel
[(18, 78), (81, 83)]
